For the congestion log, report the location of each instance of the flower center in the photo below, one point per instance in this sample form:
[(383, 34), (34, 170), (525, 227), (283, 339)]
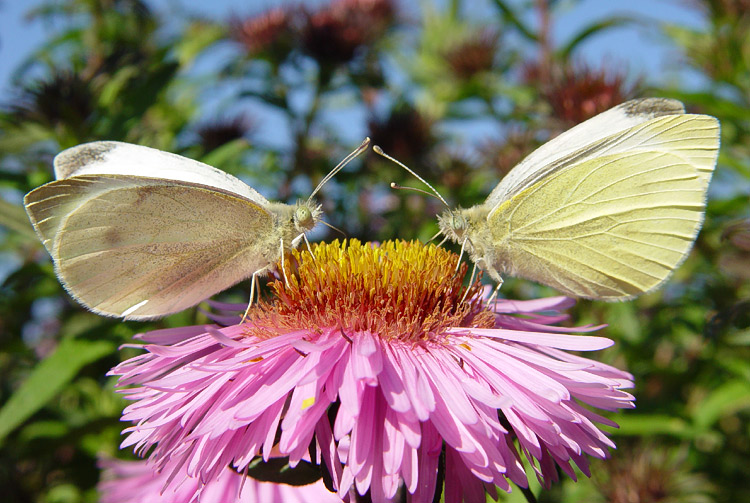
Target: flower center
[(397, 290)]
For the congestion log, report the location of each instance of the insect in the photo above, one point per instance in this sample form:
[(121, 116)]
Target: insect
[(139, 233), (606, 210)]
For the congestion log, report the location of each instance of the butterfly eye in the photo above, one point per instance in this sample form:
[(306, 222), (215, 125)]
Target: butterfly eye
[(459, 223), (303, 217)]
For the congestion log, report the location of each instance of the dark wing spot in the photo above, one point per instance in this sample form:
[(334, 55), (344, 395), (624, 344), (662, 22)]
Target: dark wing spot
[(142, 194), (653, 107), (113, 237), (70, 160)]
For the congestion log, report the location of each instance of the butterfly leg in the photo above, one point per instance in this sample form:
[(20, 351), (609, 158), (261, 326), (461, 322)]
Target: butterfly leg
[(253, 283), (493, 297), (283, 269), (460, 255), (471, 281), (309, 248)]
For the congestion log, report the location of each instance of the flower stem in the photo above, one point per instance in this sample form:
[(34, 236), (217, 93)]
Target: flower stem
[(304, 131)]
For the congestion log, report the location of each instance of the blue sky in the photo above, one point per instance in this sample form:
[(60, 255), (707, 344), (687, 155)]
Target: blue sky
[(642, 49)]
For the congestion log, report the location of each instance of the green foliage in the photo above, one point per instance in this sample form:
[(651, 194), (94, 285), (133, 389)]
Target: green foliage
[(111, 70), (48, 378)]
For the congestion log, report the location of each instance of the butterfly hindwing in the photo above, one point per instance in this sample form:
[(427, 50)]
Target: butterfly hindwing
[(609, 228), (125, 241)]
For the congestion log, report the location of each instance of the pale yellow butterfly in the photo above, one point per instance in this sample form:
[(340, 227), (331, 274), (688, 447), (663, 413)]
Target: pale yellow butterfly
[(139, 233), (606, 210)]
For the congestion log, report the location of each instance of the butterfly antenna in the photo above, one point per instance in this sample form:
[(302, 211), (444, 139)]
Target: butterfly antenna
[(334, 228), (362, 147), (396, 186), (380, 152)]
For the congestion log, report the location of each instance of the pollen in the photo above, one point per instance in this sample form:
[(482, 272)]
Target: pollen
[(399, 290)]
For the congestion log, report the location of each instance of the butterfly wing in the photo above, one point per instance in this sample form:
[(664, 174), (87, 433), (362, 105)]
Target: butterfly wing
[(596, 136), (615, 225), (141, 247), (117, 158)]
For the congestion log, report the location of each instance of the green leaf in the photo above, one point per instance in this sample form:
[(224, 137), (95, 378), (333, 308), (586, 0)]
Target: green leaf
[(268, 97), (44, 430), (45, 54), (13, 217), (567, 49), (198, 37), (112, 90), (624, 322), (736, 364), (48, 378), (17, 139), (728, 398), (510, 17), (651, 424), (225, 153)]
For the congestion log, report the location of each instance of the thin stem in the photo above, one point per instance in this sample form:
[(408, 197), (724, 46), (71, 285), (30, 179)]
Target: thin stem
[(545, 49), (304, 132), (454, 8)]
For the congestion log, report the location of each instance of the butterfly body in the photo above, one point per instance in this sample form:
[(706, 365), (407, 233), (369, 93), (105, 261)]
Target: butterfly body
[(467, 226)]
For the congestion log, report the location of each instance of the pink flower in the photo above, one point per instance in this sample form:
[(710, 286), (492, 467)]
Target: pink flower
[(371, 355), (137, 482)]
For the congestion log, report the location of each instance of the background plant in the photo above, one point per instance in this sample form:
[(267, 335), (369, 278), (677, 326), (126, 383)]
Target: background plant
[(458, 97)]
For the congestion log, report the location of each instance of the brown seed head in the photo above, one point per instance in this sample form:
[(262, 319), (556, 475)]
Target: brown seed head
[(269, 33), (577, 92), (474, 55), (335, 33)]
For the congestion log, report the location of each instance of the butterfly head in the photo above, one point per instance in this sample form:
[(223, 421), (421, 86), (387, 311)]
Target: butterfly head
[(454, 224), (306, 215)]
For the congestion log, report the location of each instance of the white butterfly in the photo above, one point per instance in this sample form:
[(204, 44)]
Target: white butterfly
[(138, 233), (606, 210)]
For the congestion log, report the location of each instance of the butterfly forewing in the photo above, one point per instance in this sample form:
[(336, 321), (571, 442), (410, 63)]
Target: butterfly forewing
[(145, 247), (692, 137), (117, 158), (611, 227), (568, 147)]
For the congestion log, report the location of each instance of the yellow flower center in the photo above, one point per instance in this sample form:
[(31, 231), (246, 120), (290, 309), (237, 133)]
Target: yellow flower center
[(398, 290)]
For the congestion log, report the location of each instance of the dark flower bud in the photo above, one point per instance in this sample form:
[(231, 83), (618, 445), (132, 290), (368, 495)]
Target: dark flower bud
[(270, 33), (217, 133), (474, 55)]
